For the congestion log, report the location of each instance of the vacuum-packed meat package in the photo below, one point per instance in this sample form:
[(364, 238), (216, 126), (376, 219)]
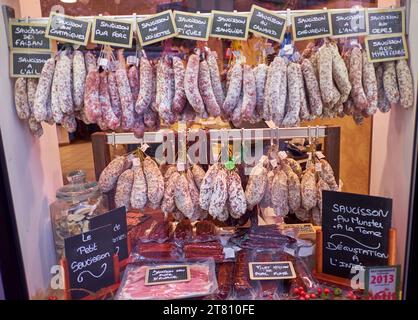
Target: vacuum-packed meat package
[(155, 251), (212, 249)]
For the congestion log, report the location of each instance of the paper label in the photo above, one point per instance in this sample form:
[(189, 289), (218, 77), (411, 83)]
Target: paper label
[(103, 62), (320, 155), (273, 163), (132, 60), (282, 155), (144, 147)]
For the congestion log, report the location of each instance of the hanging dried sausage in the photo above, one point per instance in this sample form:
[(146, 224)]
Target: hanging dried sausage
[(191, 84), (179, 100), (405, 83), (43, 91), (234, 90), (79, 79)]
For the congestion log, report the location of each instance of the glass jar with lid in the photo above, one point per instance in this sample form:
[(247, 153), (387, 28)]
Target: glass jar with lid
[(76, 203)]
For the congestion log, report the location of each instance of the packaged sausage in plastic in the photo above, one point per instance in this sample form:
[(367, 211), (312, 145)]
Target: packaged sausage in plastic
[(205, 231), (183, 232), (225, 280), (155, 251), (242, 284), (158, 232), (136, 286), (203, 250)]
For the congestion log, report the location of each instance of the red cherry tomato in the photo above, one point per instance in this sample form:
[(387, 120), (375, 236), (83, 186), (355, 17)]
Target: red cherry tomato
[(313, 296), (302, 293), (52, 298), (301, 289), (326, 290), (296, 291), (307, 297), (301, 298), (319, 290)]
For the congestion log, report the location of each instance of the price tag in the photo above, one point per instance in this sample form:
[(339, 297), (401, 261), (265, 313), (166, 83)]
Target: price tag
[(273, 163), (267, 24), (144, 147), (320, 155), (103, 62), (132, 60), (68, 29), (271, 270), (167, 274), (192, 25), (382, 283), (181, 167), (229, 253), (157, 28), (228, 25), (349, 22), (311, 26), (28, 36), (386, 48), (282, 155), (386, 21), (112, 32), (27, 65), (288, 49)]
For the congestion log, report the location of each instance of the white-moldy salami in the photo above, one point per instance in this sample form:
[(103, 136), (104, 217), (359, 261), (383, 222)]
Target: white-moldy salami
[(125, 95), (358, 117), (109, 176), (168, 204), (382, 102), (124, 189), (206, 187), (79, 79), (21, 99), (260, 73), (69, 122), (155, 181), (43, 91), (179, 100), (91, 61), (114, 95), (198, 175), (215, 78), (390, 82), (249, 92), (191, 84), (280, 194), (312, 86), (219, 194), (234, 89), (303, 214), (278, 90), (55, 97), (320, 186), (325, 73), (182, 197), (236, 196), (327, 174), (369, 85), (267, 112), (405, 83), (291, 118), (340, 75), (194, 195), (139, 196), (108, 116), (294, 165), (146, 85), (165, 110), (151, 119), (236, 115), (206, 90), (91, 96), (304, 114), (356, 74), (308, 190), (256, 186), (133, 77), (32, 85), (293, 183), (64, 73), (168, 172), (266, 201)]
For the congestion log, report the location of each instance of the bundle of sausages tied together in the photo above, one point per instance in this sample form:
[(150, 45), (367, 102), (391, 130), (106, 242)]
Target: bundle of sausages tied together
[(325, 82)]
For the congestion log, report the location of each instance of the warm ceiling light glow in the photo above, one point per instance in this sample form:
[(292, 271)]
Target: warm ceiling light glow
[(69, 1)]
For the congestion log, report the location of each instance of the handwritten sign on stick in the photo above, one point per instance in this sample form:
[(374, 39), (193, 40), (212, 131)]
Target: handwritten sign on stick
[(157, 28), (90, 261), (117, 219), (192, 26), (112, 32), (311, 25), (271, 270), (386, 48), (167, 274), (229, 25), (29, 36), (386, 21), (348, 22), (355, 231), (68, 29), (267, 24), (27, 65)]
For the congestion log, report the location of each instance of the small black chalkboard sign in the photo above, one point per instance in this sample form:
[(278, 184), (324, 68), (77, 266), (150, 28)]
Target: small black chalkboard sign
[(348, 22), (68, 29), (27, 65), (229, 25), (192, 26), (157, 28), (267, 24), (386, 48), (112, 32), (90, 261), (167, 274), (355, 232), (311, 25), (271, 270), (117, 219), (386, 21), (29, 36)]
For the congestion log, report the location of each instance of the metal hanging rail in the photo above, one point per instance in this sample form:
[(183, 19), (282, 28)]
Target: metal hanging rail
[(217, 134)]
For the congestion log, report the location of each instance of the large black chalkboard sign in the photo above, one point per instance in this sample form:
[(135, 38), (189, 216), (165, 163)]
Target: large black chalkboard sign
[(27, 65), (68, 29), (386, 48), (117, 219), (112, 32), (90, 261), (229, 25), (355, 231), (167, 274), (271, 270), (28, 36), (192, 26), (386, 21), (348, 22), (267, 24), (159, 27), (311, 25)]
